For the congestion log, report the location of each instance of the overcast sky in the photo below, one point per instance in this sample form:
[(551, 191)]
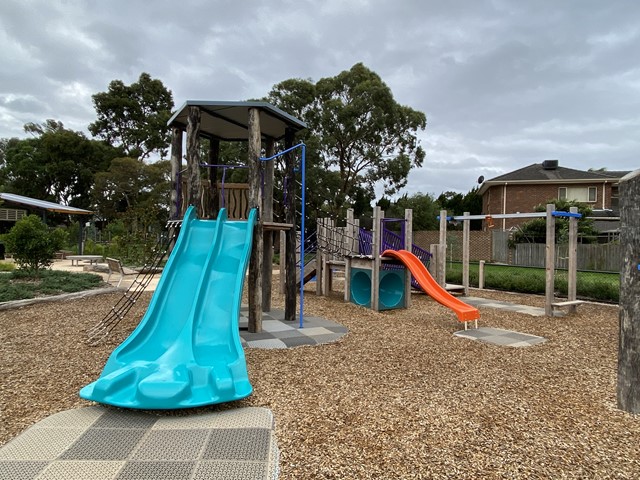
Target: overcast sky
[(503, 83)]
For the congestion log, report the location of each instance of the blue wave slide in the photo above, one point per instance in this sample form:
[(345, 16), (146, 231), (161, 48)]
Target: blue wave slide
[(186, 351)]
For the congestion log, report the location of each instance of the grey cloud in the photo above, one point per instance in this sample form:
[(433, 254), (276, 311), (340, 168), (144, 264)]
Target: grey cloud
[(503, 83)]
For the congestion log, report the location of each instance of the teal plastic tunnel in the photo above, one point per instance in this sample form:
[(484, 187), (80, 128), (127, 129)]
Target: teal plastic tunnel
[(391, 290)]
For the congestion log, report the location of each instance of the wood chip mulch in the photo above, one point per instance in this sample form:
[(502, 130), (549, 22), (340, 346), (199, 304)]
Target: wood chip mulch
[(397, 397)]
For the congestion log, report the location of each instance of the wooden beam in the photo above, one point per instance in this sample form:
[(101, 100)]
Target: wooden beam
[(550, 261), (408, 246), (441, 270), (214, 159), (465, 253), (290, 217), (255, 265), (378, 215), (572, 267), (267, 216)]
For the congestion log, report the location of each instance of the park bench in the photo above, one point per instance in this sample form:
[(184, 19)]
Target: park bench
[(115, 266)]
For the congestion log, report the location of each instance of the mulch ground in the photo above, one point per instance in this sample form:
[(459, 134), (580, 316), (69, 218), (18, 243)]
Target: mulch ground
[(398, 397)]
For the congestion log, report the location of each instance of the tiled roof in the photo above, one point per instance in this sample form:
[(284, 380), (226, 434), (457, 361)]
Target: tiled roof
[(536, 172)]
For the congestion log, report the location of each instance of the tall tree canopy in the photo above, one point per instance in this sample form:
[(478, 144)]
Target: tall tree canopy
[(358, 131), (134, 116), (130, 184), (56, 164), (425, 210)]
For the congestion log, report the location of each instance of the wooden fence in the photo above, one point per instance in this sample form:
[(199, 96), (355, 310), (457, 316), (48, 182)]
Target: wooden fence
[(606, 258)]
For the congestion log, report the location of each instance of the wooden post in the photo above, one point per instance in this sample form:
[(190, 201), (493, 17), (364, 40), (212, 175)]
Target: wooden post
[(378, 215), (283, 264), (321, 271), (214, 158), (408, 246), (481, 275), (550, 261), (572, 267), (267, 216), (465, 253), (442, 251), (352, 245), (290, 217), (628, 391), (255, 265), (433, 264), (194, 186), (176, 166)]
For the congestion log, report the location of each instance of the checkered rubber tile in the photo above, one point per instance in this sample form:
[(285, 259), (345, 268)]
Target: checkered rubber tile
[(277, 333), (512, 307), (102, 443), (497, 336)]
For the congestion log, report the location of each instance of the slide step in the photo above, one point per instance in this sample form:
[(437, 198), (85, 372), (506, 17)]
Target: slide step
[(567, 303)]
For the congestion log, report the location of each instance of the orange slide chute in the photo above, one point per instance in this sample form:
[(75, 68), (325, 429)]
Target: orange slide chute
[(428, 284)]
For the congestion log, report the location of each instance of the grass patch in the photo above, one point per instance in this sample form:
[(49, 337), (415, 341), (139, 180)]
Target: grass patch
[(19, 285), (591, 285)]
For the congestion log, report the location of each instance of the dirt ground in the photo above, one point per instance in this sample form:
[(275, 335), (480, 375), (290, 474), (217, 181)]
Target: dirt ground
[(398, 397)]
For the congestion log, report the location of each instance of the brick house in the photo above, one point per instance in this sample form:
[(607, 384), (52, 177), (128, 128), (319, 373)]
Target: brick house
[(521, 190)]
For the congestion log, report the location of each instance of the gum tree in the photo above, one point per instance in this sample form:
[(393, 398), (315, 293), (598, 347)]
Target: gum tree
[(357, 130)]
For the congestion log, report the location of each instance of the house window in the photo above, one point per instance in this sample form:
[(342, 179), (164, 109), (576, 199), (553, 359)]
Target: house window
[(615, 203), (579, 194)]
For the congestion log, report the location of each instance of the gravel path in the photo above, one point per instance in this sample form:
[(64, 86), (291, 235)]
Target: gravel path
[(398, 397)]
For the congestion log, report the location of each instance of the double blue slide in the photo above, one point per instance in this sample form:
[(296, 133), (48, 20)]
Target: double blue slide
[(186, 351)]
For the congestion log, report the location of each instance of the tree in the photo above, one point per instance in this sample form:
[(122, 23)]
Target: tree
[(452, 202), (56, 164), (456, 204), (131, 184), (357, 130), (425, 210), (535, 230), (134, 116), (32, 243)]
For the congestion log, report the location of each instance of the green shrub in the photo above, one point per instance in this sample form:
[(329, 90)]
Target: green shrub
[(6, 266), (20, 285), (32, 244)]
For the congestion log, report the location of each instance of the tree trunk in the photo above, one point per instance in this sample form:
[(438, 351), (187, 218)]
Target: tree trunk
[(629, 340), (255, 265), (193, 159), (290, 218), (176, 166)]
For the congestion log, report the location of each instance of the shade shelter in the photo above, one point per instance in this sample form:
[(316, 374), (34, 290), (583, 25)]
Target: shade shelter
[(261, 125), (46, 206)]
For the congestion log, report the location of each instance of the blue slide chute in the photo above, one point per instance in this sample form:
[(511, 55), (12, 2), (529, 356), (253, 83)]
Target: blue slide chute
[(186, 351)]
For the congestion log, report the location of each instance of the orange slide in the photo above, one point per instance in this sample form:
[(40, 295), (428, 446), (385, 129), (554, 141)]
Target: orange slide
[(464, 312)]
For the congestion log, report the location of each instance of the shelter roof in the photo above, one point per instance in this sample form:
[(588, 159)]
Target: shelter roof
[(229, 120), (43, 204)]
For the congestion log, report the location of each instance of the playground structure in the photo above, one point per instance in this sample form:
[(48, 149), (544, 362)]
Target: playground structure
[(380, 266), (186, 350), (262, 125), (550, 215)]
